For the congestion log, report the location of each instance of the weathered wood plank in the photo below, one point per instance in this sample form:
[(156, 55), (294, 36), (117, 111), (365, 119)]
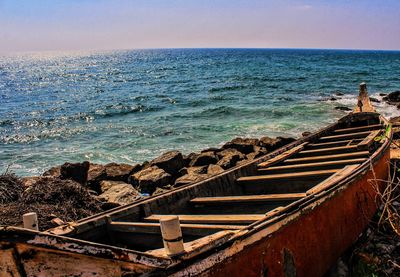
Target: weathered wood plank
[(345, 136), (329, 150), (283, 156), (332, 180), (212, 219), (327, 157), (295, 175), (357, 129), (310, 166), (154, 228), (319, 145), (366, 143), (247, 199)]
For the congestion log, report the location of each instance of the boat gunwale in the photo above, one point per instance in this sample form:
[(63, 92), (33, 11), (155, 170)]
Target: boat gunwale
[(162, 262)]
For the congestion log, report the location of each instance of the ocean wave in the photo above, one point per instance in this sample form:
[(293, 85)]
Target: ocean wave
[(227, 88)]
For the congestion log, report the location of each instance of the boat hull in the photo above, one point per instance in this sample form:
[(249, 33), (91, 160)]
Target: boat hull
[(308, 242)]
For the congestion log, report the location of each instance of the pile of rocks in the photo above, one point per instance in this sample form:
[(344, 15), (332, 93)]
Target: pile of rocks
[(118, 184), (392, 98)]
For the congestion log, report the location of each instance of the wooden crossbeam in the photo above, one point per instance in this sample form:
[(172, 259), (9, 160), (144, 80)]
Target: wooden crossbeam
[(283, 156), (366, 143), (212, 219), (310, 166), (154, 228), (345, 136), (329, 144), (328, 150), (357, 129), (332, 179), (295, 175), (327, 157), (247, 199)]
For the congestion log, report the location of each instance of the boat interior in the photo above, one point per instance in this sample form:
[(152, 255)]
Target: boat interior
[(243, 196)]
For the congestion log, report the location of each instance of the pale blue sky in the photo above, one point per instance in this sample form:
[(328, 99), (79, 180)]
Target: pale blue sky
[(27, 25)]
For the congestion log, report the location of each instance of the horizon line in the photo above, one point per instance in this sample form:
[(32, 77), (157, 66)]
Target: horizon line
[(194, 48)]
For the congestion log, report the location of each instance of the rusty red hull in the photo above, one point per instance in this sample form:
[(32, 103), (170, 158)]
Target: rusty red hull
[(315, 237)]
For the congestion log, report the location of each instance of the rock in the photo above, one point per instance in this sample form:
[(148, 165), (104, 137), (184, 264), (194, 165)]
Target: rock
[(118, 192), (229, 158), (171, 162), (75, 171), (193, 170), (332, 99), (214, 169), (375, 100), (306, 134), (256, 154), (211, 149), (341, 108), (190, 178), (150, 178), (54, 172), (162, 190), (205, 158), (120, 172), (96, 174), (188, 158), (382, 94), (339, 93), (244, 145), (392, 97), (274, 143)]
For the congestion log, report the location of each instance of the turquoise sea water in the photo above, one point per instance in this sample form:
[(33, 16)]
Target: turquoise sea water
[(129, 106)]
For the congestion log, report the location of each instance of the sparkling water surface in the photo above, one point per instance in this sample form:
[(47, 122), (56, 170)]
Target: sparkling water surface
[(130, 106)]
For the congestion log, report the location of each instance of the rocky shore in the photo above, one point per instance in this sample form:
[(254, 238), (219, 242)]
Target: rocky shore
[(72, 191)]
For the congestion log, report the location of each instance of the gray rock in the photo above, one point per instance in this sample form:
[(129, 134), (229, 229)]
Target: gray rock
[(229, 158), (120, 172), (193, 170), (214, 169), (118, 192), (244, 145), (150, 178), (392, 97), (75, 171), (190, 178), (171, 162), (342, 108), (205, 158), (271, 144), (54, 172)]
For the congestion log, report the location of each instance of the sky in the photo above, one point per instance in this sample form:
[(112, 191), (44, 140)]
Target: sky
[(62, 25)]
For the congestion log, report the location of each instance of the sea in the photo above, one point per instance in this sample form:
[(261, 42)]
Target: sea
[(130, 106)]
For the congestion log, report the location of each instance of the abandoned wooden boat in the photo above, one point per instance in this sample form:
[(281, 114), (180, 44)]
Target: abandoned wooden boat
[(292, 212)]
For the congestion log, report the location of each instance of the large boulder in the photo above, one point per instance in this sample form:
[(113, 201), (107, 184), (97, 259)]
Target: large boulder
[(96, 174), (150, 178), (118, 192), (190, 178), (120, 172), (75, 171), (271, 144), (259, 151), (161, 190), (214, 169), (171, 162), (392, 97), (244, 145), (188, 158), (205, 158), (53, 172), (229, 157), (193, 170)]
